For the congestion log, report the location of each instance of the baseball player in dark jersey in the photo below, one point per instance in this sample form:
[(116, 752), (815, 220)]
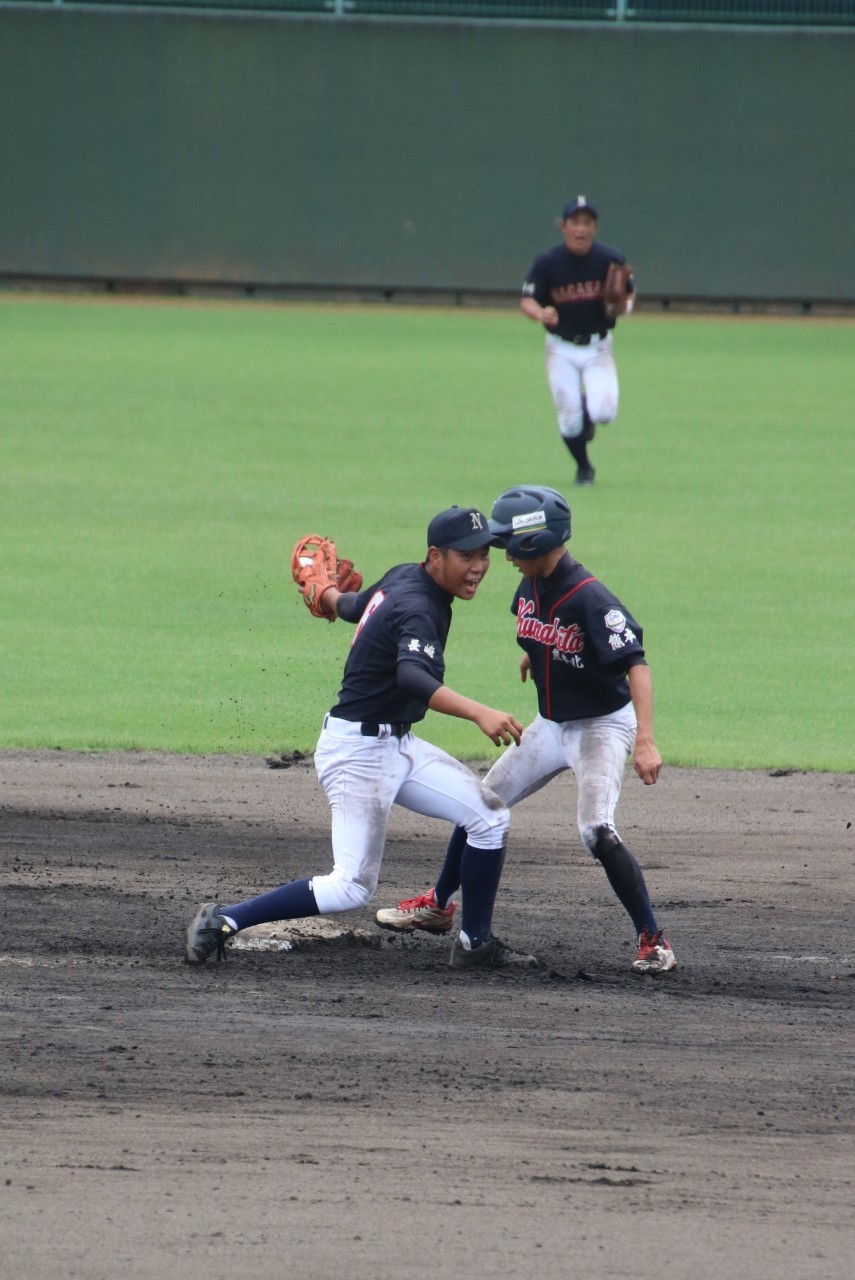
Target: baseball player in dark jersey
[(584, 651), (368, 759), (564, 293)]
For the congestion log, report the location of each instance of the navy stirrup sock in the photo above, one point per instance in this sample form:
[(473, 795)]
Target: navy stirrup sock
[(480, 873), (626, 878), (448, 880), (578, 447), (289, 902)]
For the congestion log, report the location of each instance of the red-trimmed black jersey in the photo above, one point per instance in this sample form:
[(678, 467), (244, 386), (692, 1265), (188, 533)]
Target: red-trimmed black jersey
[(581, 642), (402, 624), (573, 284)]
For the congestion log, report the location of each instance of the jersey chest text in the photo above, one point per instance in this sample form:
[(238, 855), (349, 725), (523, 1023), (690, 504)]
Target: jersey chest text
[(552, 635), (583, 291)]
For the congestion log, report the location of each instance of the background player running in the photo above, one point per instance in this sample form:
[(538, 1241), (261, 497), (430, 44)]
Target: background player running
[(584, 653), (564, 292), (367, 758)]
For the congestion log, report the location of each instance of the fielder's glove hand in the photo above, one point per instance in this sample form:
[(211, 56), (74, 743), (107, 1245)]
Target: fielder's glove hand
[(615, 289), (315, 566)]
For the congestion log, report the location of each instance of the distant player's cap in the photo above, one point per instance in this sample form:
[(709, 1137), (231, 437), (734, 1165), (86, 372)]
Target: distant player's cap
[(461, 529), (579, 204)]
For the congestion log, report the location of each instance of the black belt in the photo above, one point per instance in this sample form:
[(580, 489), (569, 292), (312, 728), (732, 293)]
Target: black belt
[(369, 730), (585, 339)]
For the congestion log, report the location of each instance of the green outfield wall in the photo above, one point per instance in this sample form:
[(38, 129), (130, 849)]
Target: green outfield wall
[(284, 151)]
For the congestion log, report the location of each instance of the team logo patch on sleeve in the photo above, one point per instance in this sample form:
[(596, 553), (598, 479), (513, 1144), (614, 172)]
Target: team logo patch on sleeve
[(615, 620), (421, 646)]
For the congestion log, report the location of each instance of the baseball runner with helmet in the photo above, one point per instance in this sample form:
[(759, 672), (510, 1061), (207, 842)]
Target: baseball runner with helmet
[(584, 652), (368, 758), (577, 290)]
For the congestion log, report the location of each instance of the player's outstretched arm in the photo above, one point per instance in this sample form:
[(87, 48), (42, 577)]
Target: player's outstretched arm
[(328, 602), (329, 605), (500, 727), (647, 761)]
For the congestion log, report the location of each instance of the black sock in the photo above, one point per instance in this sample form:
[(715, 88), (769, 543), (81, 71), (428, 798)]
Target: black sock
[(289, 902), (480, 873), (579, 449), (626, 878), (448, 880)]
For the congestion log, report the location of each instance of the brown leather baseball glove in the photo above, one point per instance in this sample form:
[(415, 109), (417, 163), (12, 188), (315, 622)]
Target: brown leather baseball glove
[(615, 293), (315, 566)]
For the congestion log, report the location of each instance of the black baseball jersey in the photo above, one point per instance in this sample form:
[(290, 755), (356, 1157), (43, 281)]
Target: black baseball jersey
[(580, 640), (573, 284), (396, 657)]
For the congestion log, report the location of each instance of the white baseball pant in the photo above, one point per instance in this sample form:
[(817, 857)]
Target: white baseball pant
[(596, 750), (364, 776), (576, 372)]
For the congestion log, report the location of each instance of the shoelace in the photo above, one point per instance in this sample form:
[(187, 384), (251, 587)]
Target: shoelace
[(649, 941), (413, 904), (221, 937)]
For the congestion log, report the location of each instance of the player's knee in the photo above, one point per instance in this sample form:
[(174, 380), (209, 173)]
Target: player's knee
[(336, 892), (488, 829), (599, 839), (604, 411), (570, 424)]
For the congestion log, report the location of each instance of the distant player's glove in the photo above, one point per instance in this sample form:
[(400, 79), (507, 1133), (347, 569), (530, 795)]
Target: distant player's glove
[(615, 291), (315, 566)]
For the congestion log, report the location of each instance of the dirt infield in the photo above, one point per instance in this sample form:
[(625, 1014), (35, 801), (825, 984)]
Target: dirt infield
[(351, 1108)]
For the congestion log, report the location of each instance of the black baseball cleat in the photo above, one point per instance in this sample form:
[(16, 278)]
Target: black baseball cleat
[(585, 475), (492, 954), (208, 931)]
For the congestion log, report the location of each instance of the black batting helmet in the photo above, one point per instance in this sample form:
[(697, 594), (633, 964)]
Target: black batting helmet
[(530, 520)]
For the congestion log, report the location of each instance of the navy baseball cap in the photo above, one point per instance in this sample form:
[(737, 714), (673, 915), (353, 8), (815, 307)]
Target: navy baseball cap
[(579, 204), (461, 529)]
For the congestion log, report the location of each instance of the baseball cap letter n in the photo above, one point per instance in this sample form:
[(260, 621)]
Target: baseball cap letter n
[(460, 529), (579, 204)]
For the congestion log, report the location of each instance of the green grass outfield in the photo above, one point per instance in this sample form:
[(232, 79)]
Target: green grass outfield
[(160, 458)]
